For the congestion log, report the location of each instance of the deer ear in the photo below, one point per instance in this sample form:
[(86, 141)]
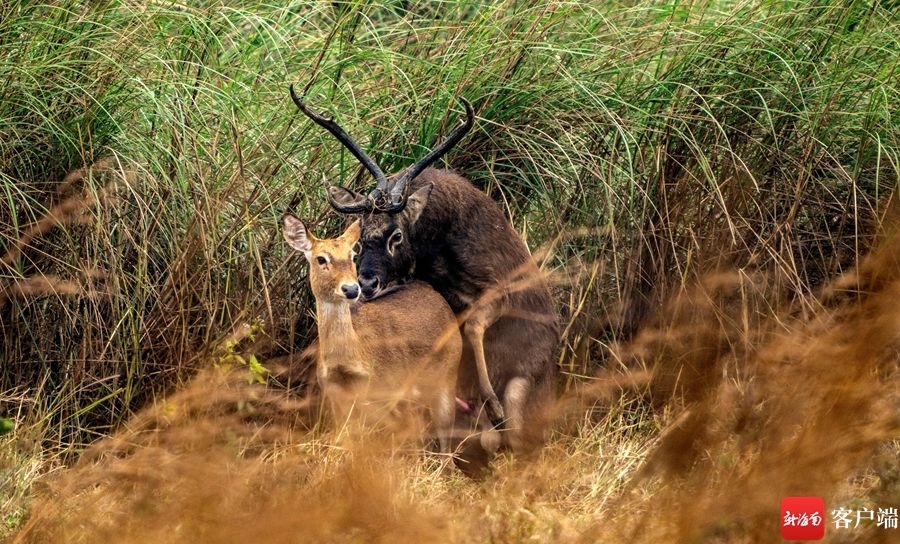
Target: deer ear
[(296, 235), (352, 232), (416, 203)]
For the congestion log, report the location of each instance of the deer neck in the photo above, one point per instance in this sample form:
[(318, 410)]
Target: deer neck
[(338, 342)]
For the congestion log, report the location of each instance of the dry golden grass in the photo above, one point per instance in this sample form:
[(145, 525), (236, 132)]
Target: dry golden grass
[(750, 403), (713, 174)]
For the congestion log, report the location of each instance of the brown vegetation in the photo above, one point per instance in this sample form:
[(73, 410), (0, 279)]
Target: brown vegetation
[(715, 178), (756, 403)]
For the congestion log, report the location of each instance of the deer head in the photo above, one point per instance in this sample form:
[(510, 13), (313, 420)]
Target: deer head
[(332, 273)]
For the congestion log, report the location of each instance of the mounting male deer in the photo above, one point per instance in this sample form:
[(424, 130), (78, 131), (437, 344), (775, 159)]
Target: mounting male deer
[(407, 342), (433, 225)]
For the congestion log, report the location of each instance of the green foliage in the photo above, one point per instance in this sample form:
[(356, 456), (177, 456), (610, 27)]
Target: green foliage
[(699, 134), (229, 355)]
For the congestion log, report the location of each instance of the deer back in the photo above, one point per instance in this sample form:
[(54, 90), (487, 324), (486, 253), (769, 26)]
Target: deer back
[(409, 331)]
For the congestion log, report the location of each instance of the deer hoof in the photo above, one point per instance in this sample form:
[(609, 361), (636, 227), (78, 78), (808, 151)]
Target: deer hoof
[(495, 412), (490, 441)]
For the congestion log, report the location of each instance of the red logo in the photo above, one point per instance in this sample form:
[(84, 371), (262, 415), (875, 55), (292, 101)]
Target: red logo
[(802, 518)]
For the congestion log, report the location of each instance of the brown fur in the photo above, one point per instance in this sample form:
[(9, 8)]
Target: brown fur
[(459, 241), (404, 348)]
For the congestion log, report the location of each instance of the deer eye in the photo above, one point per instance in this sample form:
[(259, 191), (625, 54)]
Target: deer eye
[(394, 240), (321, 260), (356, 249)]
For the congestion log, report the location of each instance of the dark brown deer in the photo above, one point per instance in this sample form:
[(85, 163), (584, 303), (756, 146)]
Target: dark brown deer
[(433, 225)]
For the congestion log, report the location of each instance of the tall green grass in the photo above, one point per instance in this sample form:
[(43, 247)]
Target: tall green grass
[(147, 151)]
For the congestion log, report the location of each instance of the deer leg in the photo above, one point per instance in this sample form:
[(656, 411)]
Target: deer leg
[(443, 411), (515, 398), (474, 331), (490, 438)]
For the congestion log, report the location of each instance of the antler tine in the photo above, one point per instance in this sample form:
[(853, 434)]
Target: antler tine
[(359, 205), (341, 135), (397, 197)]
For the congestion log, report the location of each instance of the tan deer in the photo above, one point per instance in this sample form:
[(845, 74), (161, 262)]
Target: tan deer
[(406, 343)]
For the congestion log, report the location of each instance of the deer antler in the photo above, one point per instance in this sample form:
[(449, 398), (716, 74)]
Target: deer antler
[(397, 197), (345, 205), (346, 201)]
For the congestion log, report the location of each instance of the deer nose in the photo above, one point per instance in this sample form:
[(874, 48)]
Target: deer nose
[(350, 290), (369, 285)]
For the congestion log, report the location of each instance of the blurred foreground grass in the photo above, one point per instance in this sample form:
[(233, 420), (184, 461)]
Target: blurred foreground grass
[(148, 149)]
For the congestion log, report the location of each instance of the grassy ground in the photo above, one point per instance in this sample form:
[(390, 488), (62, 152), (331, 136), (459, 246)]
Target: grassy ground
[(705, 182)]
